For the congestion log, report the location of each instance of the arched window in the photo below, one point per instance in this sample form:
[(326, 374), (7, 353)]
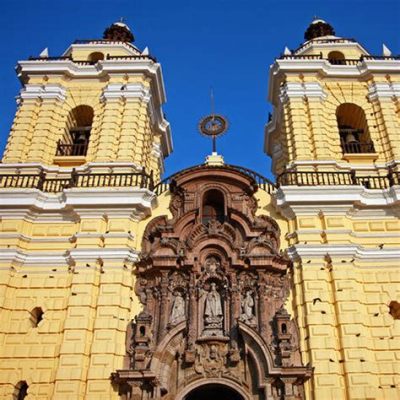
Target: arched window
[(336, 57), (76, 138), (353, 129), (96, 56), (213, 206), (21, 390), (36, 316)]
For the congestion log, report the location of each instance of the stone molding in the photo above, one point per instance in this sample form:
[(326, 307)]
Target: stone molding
[(292, 90), (43, 92), (32, 204), (358, 252), (383, 90)]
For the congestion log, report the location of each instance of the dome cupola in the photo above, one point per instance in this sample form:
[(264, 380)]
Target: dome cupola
[(119, 32), (318, 28)]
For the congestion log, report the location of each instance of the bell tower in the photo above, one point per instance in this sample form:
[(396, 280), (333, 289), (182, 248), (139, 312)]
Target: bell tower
[(98, 105), (334, 139), (335, 106)]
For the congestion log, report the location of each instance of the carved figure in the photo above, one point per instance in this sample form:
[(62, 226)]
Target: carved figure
[(212, 265), (247, 309), (178, 309), (213, 303)]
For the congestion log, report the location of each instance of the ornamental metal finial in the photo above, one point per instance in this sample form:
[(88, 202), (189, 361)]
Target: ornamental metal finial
[(213, 125)]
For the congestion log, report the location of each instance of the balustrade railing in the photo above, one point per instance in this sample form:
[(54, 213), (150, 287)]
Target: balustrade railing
[(358, 147), (311, 178), (337, 61), (71, 149), (143, 180), (76, 180)]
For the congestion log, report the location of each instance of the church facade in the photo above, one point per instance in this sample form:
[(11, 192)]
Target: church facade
[(215, 282)]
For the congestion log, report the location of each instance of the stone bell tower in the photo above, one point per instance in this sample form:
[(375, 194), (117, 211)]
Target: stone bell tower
[(335, 106), (96, 106), (334, 139), (76, 185)]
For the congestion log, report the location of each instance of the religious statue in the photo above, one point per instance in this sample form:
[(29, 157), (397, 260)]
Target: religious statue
[(212, 265), (213, 303), (213, 315), (247, 309), (178, 309)]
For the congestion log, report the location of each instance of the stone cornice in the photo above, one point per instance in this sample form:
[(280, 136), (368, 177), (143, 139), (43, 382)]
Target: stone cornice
[(383, 90), (66, 258), (293, 201), (74, 204), (298, 251), (292, 90), (43, 92), (323, 67)]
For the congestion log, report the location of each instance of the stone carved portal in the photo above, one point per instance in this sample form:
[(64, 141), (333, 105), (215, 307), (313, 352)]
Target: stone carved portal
[(213, 294)]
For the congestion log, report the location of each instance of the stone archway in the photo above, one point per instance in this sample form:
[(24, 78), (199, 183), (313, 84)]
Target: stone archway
[(213, 391)]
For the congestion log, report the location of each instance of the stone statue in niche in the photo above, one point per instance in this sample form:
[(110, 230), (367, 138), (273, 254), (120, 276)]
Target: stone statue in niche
[(247, 309), (213, 314), (212, 265), (178, 309)]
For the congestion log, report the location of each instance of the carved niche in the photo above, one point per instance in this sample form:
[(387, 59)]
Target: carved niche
[(213, 291)]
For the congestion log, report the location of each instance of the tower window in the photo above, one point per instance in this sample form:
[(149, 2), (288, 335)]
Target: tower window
[(21, 390), (213, 206), (36, 316), (96, 56), (76, 138), (337, 58), (353, 129)]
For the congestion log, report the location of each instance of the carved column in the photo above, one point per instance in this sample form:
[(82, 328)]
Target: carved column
[(192, 328), (263, 305), (234, 315), (163, 305)]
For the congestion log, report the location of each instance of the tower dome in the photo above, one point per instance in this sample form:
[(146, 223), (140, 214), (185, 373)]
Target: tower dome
[(318, 28), (119, 32)]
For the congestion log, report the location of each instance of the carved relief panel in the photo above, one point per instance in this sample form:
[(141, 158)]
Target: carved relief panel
[(213, 292)]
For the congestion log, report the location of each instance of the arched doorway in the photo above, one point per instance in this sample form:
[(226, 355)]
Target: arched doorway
[(213, 391)]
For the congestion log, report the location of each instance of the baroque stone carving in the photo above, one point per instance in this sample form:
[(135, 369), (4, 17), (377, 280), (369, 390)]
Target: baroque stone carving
[(213, 295), (248, 309), (178, 309)]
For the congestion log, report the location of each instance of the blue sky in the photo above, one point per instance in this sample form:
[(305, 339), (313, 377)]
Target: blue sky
[(228, 45)]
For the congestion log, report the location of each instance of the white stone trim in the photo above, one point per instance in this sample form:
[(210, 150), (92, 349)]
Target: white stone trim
[(66, 258), (299, 251), (300, 90), (128, 91), (311, 195), (32, 204), (292, 201), (156, 152), (296, 66), (380, 90), (43, 92)]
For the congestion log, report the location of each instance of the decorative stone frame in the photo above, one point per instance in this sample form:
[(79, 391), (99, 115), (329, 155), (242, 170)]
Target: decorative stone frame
[(255, 357)]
